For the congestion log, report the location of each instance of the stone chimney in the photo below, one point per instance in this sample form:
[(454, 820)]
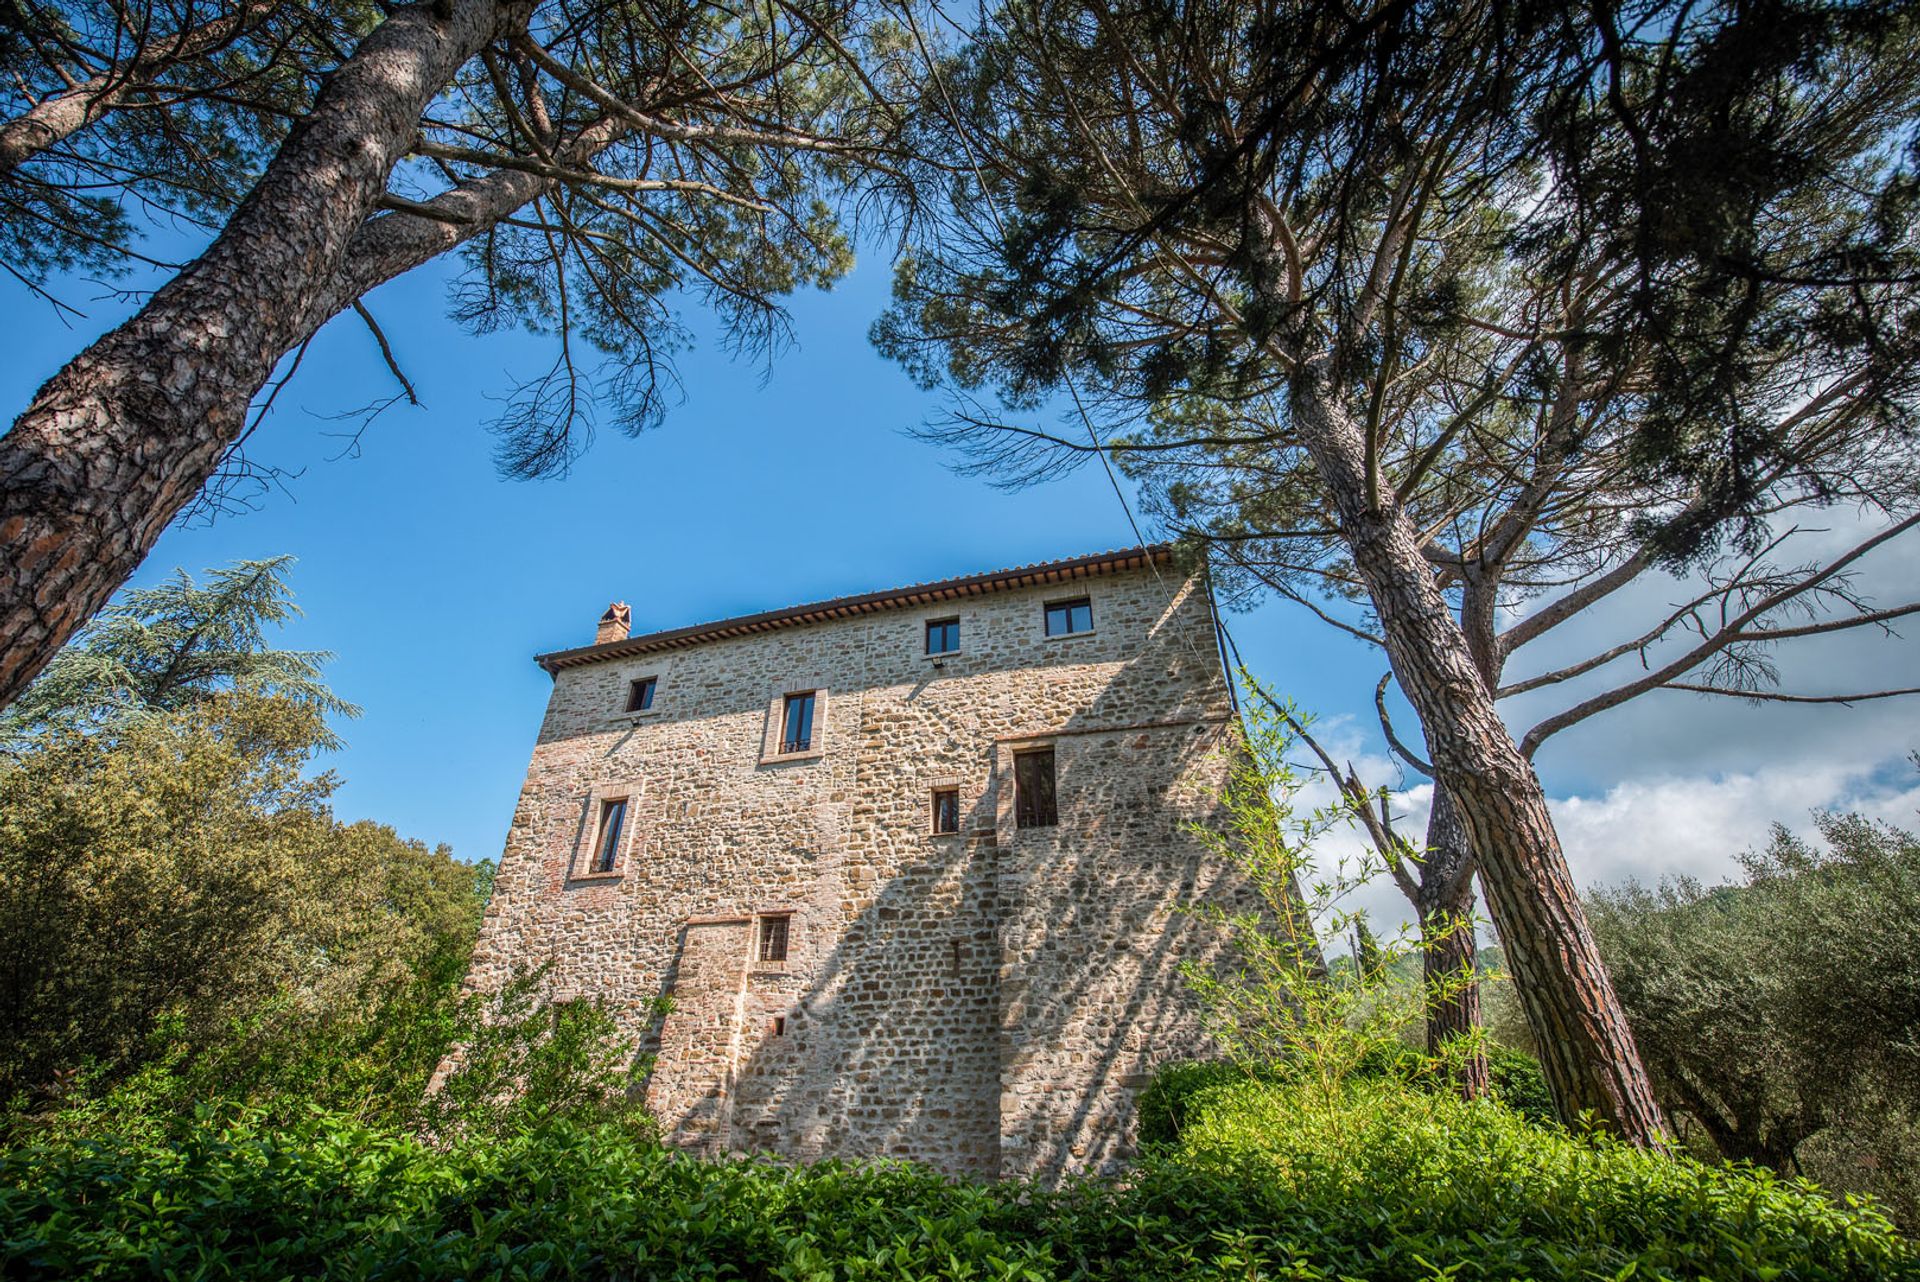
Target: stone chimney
[(615, 624)]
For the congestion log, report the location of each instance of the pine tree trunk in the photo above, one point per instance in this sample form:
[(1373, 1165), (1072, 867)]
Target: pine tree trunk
[(116, 443), (1586, 1049), (1448, 950)]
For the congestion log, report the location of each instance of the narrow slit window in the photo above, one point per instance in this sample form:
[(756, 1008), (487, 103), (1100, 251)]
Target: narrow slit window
[(943, 636), (796, 727), (773, 938), (606, 844), (640, 694), (1064, 618), (1033, 795), (946, 810)]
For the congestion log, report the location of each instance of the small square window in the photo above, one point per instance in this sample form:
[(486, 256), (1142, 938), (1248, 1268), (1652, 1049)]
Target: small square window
[(1034, 805), (1064, 618), (796, 724), (640, 694), (943, 636), (606, 842), (946, 810), (773, 938)]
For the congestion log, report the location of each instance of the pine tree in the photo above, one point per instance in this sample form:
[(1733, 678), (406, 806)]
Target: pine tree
[(157, 650)]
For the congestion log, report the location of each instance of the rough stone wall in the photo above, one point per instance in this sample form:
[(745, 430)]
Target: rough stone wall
[(987, 1002)]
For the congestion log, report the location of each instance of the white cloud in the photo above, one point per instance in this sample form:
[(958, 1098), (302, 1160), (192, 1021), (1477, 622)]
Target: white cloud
[(1647, 830), (1670, 783)]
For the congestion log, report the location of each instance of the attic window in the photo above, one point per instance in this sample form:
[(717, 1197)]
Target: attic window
[(943, 636), (773, 938), (1065, 618), (640, 694)]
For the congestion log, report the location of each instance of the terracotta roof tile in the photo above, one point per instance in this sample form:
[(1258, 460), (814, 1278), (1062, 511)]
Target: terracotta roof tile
[(1019, 576)]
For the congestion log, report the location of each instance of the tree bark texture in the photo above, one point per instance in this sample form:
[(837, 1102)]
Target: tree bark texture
[(1448, 951), (1586, 1048), (119, 440)]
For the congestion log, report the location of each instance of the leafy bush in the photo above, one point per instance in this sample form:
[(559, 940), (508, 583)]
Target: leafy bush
[(1266, 1183), (1180, 1091), (189, 931), (181, 883), (1175, 1093), (1394, 1183), (1519, 1084)]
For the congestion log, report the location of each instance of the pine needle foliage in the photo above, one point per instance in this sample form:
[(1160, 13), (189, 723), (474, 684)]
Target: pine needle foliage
[(160, 649)]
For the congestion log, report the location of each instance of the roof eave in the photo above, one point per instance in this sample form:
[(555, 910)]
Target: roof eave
[(1025, 576)]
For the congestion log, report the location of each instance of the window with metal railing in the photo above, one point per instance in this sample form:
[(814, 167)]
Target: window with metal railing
[(796, 724), (773, 938), (1034, 802)]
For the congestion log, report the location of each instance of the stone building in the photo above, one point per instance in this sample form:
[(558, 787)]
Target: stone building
[(909, 864)]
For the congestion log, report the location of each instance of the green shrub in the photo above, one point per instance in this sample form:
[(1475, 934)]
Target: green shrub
[(1170, 1098), (1395, 1183), (1519, 1084), (1264, 1184), (1178, 1089)]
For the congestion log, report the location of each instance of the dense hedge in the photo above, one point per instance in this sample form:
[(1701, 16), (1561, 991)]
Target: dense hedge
[(1397, 1183), (1391, 1185)]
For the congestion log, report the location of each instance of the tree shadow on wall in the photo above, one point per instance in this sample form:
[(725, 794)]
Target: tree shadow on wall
[(997, 1001)]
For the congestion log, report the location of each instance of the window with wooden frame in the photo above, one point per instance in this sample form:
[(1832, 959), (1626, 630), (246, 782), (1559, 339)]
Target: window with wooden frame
[(1065, 618), (773, 938), (946, 811), (612, 822), (943, 636), (796, 722), (1034, 804), (640, 693)]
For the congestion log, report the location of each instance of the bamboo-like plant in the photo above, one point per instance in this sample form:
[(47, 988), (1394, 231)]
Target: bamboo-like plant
[(1281, 1006)]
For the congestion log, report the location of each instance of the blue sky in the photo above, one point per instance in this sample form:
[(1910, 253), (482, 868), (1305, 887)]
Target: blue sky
[(434, 581)]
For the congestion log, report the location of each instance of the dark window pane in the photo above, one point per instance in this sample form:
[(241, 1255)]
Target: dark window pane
[(1064, 617), (640, 695), (607, 848), (946, 810), (796, 734), (773, 939), (943, 636), (1033, 799)]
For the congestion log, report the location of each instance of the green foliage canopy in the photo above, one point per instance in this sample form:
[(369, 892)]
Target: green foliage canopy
[(159, 649), (187, 869), (1787, 1006)]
